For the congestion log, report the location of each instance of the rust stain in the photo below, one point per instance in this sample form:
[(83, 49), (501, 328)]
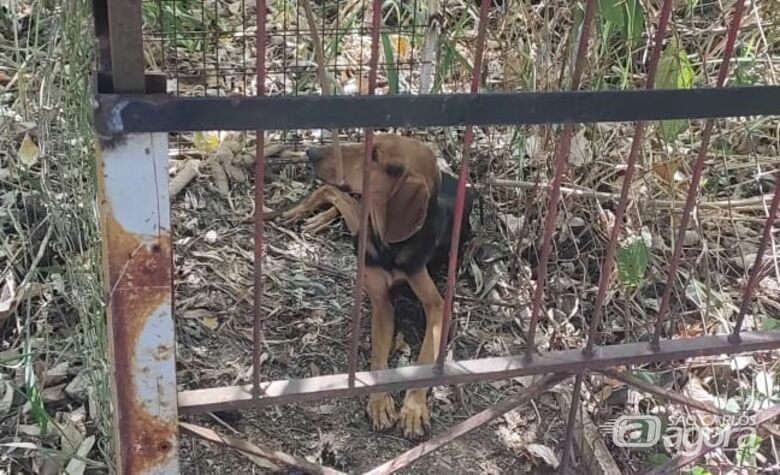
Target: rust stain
[(139, 280)]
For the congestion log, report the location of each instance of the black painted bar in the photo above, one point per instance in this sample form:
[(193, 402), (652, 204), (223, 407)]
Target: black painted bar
[(117, 114)]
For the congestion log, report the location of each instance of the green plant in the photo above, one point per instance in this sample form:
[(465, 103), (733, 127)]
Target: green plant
[(390, 66), (748, 448), (625, 17), (674, 72), (621, 27), (744, 68), (185, 21), (633, 258), (656, 460)]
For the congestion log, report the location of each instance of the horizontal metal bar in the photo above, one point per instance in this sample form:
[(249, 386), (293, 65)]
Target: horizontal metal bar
[(117, 114), (470, 371)]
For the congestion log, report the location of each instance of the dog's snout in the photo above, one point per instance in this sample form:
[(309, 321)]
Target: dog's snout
[(314, 155)]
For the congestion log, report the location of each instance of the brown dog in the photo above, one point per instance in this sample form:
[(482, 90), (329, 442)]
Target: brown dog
[(410, 224)]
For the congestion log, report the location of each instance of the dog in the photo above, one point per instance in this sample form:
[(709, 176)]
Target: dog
[(411, 217)]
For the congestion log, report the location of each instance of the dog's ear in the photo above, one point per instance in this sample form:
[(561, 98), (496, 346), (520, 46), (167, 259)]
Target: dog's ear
[(398, 210)]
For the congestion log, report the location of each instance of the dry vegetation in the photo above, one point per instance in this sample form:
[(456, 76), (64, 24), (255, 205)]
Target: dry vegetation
[(53, 397)]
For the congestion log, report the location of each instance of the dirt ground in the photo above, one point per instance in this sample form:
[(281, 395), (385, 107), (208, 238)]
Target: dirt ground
[(308, 303)]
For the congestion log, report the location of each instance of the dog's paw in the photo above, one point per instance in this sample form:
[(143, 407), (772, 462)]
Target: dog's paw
[(291, 215), (320, 221), (381, 410), (415, 419)]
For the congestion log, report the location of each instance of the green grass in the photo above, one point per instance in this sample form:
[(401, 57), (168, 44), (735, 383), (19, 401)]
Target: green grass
[(54, 60)]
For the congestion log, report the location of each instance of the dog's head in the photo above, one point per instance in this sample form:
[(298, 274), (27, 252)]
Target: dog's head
[(403, 178)]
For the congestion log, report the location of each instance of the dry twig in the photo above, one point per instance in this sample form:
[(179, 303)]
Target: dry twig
[(247, 447), (323, 76)]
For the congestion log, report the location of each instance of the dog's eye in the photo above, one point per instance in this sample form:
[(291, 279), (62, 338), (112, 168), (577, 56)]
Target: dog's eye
[(394, 170)]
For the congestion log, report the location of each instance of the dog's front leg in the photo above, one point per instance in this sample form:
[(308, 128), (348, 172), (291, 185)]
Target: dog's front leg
[(415, 419), (381, 408)]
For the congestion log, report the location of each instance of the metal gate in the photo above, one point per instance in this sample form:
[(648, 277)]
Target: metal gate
[(133, 117)]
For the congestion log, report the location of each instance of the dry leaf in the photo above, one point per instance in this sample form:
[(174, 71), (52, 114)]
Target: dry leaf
[(533, 146), (210, 322), (77, 466), (28, 151), (695, 389), (603, 394), (8, 298), (78, 388), (7, 400), (235, 173), (581, 152), (765, 383), (196, 313), (56, 374), (70, 437), (690, 330), (740, 362), (544, 453)]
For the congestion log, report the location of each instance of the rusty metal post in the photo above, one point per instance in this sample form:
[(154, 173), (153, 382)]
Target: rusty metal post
[(460, 197), (606, 268), (755, 274), (257, 314), (135, 221), (698, 169), (357, 309), (137, 259), (561, 164), (636, 145)]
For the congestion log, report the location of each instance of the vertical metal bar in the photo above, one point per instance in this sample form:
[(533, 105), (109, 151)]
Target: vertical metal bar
[(460, 197), (126, 46), (636, 145), (137, 260), (698, 168), (257, 323), (606, 268), (561, 163), (755, 274), (357, 310)]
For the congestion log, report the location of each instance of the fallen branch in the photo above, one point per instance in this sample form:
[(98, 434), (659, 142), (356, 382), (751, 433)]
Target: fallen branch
[(187, 173), (247, 447), (430, 46), (594, 453)]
